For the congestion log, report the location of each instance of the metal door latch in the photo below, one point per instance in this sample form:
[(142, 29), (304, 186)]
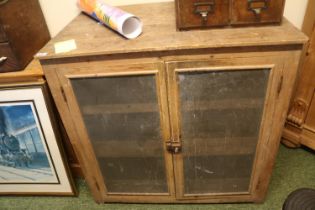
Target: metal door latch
[(173, 147)]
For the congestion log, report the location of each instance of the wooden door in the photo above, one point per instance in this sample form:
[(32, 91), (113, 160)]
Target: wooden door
[(120, 113), (217, 117)]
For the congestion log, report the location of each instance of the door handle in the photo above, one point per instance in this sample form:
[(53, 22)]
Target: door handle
[(203, 9), (3, 59), (257, 6), (3, 2)]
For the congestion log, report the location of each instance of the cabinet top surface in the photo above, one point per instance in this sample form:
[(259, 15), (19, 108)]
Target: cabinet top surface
[(89, 38)]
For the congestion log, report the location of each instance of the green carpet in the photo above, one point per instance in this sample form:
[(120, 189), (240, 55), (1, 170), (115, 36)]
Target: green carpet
[(294, 169)]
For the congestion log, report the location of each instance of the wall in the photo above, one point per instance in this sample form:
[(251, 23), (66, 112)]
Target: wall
[(58, 13), (295, 10)]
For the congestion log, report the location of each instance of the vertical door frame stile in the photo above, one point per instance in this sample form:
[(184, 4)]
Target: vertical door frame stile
[(161, 78), (271, 86), (83, 139), (268, 108), (173, 101), (157, 70), (55, 85)]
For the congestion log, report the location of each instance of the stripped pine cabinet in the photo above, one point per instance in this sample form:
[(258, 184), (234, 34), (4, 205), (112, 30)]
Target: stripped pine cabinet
[(174, 117)]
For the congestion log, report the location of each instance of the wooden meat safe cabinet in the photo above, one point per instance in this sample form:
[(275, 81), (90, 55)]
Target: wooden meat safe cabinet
[(185, 117)]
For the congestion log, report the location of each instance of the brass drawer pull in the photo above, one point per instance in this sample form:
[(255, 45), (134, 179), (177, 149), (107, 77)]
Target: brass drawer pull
[(257, 6), (2, 59), (3, 2), (203, 9)]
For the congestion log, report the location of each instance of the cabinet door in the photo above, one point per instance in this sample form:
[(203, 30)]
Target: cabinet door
[(121, 116), (217, 116)]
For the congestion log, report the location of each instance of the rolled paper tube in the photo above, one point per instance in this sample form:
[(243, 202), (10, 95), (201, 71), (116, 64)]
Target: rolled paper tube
[(123, 22)]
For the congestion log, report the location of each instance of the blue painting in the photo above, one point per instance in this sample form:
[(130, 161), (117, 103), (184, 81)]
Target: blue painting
[(24, 155)]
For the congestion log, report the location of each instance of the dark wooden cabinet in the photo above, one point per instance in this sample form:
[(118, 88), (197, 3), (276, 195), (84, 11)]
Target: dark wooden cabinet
[(192, 14), (217, 13), (3, 37), (23, 32), (174, 117)]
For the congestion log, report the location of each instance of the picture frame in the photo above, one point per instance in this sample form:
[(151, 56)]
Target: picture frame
[(32, 160)]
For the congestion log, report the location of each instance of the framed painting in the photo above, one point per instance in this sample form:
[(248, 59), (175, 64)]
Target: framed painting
[(31, 159)]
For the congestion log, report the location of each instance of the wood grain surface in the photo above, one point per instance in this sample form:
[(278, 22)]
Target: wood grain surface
[(24, 28), (3, 37), (33, 71), (159, 34), (101, 54)]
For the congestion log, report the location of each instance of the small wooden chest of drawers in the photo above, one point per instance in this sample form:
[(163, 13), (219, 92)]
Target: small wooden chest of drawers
[(23, 32), (215, 13)]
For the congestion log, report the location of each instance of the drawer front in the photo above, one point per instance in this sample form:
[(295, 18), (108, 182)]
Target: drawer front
[(202, 13), (8, 61), (246, 12), (3, 37)]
